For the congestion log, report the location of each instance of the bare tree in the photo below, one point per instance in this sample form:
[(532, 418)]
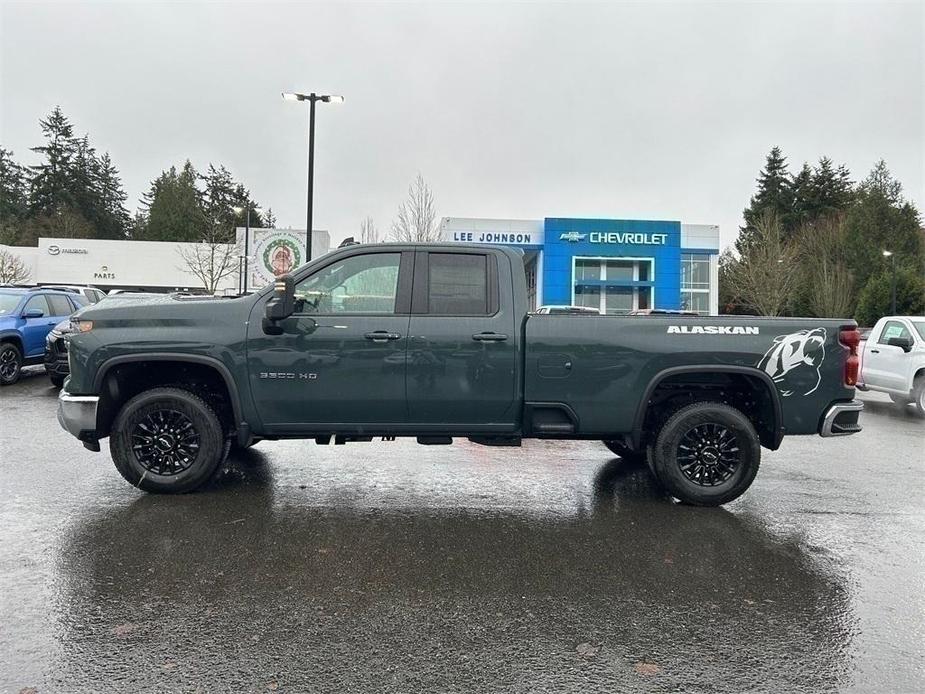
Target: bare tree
[(368, 231), (417, 219), (214, 259), (12, 269), (829, 283), (764, 277)]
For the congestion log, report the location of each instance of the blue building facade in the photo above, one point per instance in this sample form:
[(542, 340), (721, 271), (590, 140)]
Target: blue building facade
[(614, 265)]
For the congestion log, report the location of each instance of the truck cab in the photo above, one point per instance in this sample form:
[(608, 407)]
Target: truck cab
[(893, 360)]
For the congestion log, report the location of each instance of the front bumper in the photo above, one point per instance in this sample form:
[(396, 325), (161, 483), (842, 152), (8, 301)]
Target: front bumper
[(77, 414), (841, 419)]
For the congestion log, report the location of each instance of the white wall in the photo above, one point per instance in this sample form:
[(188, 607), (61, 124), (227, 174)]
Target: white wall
[(29, 257), (107, 263)]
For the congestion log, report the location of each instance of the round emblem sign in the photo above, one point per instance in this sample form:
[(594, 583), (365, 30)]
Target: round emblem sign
[(280, 256), (275, 253)]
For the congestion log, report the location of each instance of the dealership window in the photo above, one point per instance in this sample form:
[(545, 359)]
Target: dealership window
[(611, 284), (695, 283)]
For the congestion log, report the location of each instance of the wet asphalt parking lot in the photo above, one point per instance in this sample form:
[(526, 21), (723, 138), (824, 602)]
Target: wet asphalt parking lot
[(402, 568)]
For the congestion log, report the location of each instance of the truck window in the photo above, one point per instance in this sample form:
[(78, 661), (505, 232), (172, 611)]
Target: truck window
[(892, 329), (458, 284), (358, 284)]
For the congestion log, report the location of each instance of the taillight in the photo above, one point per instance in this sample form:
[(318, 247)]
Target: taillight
[(851, 338)]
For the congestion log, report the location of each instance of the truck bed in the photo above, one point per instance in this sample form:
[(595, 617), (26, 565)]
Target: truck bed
[(603, 368)]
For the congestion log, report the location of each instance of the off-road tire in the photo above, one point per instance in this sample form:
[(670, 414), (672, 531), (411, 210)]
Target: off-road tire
[(10, 363), (686, 423), (212, 446)]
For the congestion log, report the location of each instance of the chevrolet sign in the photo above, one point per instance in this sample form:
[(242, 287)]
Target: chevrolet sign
[(618, 237)]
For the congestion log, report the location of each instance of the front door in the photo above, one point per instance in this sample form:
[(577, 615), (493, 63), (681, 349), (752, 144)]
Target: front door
[(35, 329), (886, 366), (463, 341), (340, 363)]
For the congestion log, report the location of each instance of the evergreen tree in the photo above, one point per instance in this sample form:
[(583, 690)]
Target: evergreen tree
[(74, 192), (116, 220), (882, 220), (774, 196), (172, 208), (14, 202), (50, 184), (876, 299)]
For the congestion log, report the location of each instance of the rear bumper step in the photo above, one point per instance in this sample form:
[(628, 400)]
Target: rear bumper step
[(841, 419)]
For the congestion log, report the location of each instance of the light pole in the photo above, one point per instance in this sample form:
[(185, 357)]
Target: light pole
[(311, 98), (247, 234), (889, 254)]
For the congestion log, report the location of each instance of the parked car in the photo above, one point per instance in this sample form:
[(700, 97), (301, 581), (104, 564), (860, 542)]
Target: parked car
[(565, 310), (56, 344), (26, 318), (432, 342), (893, 360), (90, 294)]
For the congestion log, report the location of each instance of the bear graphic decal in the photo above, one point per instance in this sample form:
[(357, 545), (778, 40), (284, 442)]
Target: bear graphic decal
[(793, 361)]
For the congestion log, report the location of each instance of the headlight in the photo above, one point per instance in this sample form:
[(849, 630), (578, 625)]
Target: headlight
[(82, 326)]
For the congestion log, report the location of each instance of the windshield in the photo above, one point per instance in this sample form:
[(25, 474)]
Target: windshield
[(8, 302), (919, 327)]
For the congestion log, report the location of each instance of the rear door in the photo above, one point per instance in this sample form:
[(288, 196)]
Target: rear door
[(462, 345)]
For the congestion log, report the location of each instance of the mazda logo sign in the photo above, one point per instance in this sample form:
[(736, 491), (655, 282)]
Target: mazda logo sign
[(53, 250)]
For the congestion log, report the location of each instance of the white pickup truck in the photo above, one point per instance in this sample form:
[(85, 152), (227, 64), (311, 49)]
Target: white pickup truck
[(893, 360)]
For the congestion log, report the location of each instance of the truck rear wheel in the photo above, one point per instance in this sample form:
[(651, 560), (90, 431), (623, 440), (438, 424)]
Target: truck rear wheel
[(167, 440), (707, 454)]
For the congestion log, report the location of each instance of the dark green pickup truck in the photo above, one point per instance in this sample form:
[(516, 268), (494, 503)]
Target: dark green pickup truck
[(435, 341)]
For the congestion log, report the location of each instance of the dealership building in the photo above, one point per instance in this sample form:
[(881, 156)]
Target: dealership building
[(164, 265), (614, 265)]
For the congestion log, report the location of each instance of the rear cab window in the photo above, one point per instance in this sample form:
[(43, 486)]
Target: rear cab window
[(456, 284)]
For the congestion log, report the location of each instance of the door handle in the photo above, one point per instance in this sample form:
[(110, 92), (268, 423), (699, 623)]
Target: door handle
[(489, 337), (382, 336), (875, 351)]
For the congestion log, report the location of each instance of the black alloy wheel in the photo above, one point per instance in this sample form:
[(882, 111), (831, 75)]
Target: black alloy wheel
[(708, 454), (168, 440), (165, 442), (10, 363)]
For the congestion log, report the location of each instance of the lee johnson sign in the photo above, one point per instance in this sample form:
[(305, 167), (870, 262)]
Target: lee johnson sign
[(493, 237)]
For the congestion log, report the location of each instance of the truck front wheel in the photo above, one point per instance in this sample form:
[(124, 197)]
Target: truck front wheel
[(167, 440), (707, 454)]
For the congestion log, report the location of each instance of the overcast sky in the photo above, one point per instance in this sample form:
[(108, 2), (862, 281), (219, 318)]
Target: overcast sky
[(650, 111)]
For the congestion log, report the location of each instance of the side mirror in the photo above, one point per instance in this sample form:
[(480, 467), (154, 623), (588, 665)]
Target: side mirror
[(281, 306), (904, 343), (33, 313)]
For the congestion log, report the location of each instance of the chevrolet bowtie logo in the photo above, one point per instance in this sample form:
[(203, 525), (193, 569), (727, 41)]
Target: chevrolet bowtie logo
[(572, 236)]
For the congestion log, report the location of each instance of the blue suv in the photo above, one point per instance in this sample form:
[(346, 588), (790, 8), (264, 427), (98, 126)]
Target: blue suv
[(26, 318)]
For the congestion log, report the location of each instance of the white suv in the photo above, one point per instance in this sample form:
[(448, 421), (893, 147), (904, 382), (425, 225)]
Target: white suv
[(893, 360), (91, 294)]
